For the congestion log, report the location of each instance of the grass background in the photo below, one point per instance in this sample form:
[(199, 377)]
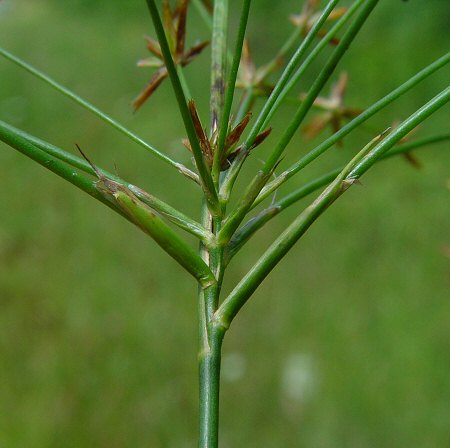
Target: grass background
[(345, 344)]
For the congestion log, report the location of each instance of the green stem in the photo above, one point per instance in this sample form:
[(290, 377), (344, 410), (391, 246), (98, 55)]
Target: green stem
[(310, 59), (209, 385), (18, 142), (360, 119), (210, 341), (170, 213), (183, 81), (231, 85), (358, 166), (318, 84), (203, 170), (281, 83), (261, 178), (89, 107), (218, 62), (253, 225)]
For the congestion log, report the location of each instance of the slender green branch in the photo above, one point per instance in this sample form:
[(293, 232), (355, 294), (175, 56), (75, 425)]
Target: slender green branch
[(173, 215), (234, 220), (61, 154), (358, 166), (203, 12), (21, 144), (218, 62), (246, 104), (324, 41), (261, 178), (203, 170), (253, 225), (231, 85), (319, 83), (360, 119), (89, 107), (288, 71), (183, 81), (402, 131)]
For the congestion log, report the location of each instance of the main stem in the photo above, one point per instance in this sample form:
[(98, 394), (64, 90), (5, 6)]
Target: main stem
[(209, 377), (210, 341)]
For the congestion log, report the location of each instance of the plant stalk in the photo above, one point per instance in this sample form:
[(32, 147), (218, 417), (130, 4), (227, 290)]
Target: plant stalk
[(210, 340), (209, 384)]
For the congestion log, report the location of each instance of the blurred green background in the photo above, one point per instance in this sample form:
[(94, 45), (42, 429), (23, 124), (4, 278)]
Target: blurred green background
[(345, 344)]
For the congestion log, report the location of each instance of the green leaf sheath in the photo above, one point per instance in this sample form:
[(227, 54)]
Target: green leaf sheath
[(203, 170), (163, 235), (358, 166), (173, 215), (349, 127)]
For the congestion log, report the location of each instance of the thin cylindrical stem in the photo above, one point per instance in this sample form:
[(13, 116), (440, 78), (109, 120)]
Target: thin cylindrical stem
[(230, 88), (218, 62), (270, 164), (88, 106), (280, 85), (349, 127), (243, 291), (210, 341), (203, 170), (209, 384)]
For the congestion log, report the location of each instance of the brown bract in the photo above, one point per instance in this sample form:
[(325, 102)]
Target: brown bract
[(231, 148), (175, 27)]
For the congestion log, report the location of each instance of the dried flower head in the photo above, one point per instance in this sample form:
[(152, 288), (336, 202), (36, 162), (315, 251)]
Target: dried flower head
[(334, 110), (309, 15), (175, 26)]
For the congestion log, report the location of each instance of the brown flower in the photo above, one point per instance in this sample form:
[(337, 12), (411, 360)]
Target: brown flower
[(309, 15), (175, 27), (334, 110)]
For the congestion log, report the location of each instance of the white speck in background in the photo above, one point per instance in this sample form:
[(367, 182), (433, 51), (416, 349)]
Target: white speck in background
[(299, 378), (233, 367)]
